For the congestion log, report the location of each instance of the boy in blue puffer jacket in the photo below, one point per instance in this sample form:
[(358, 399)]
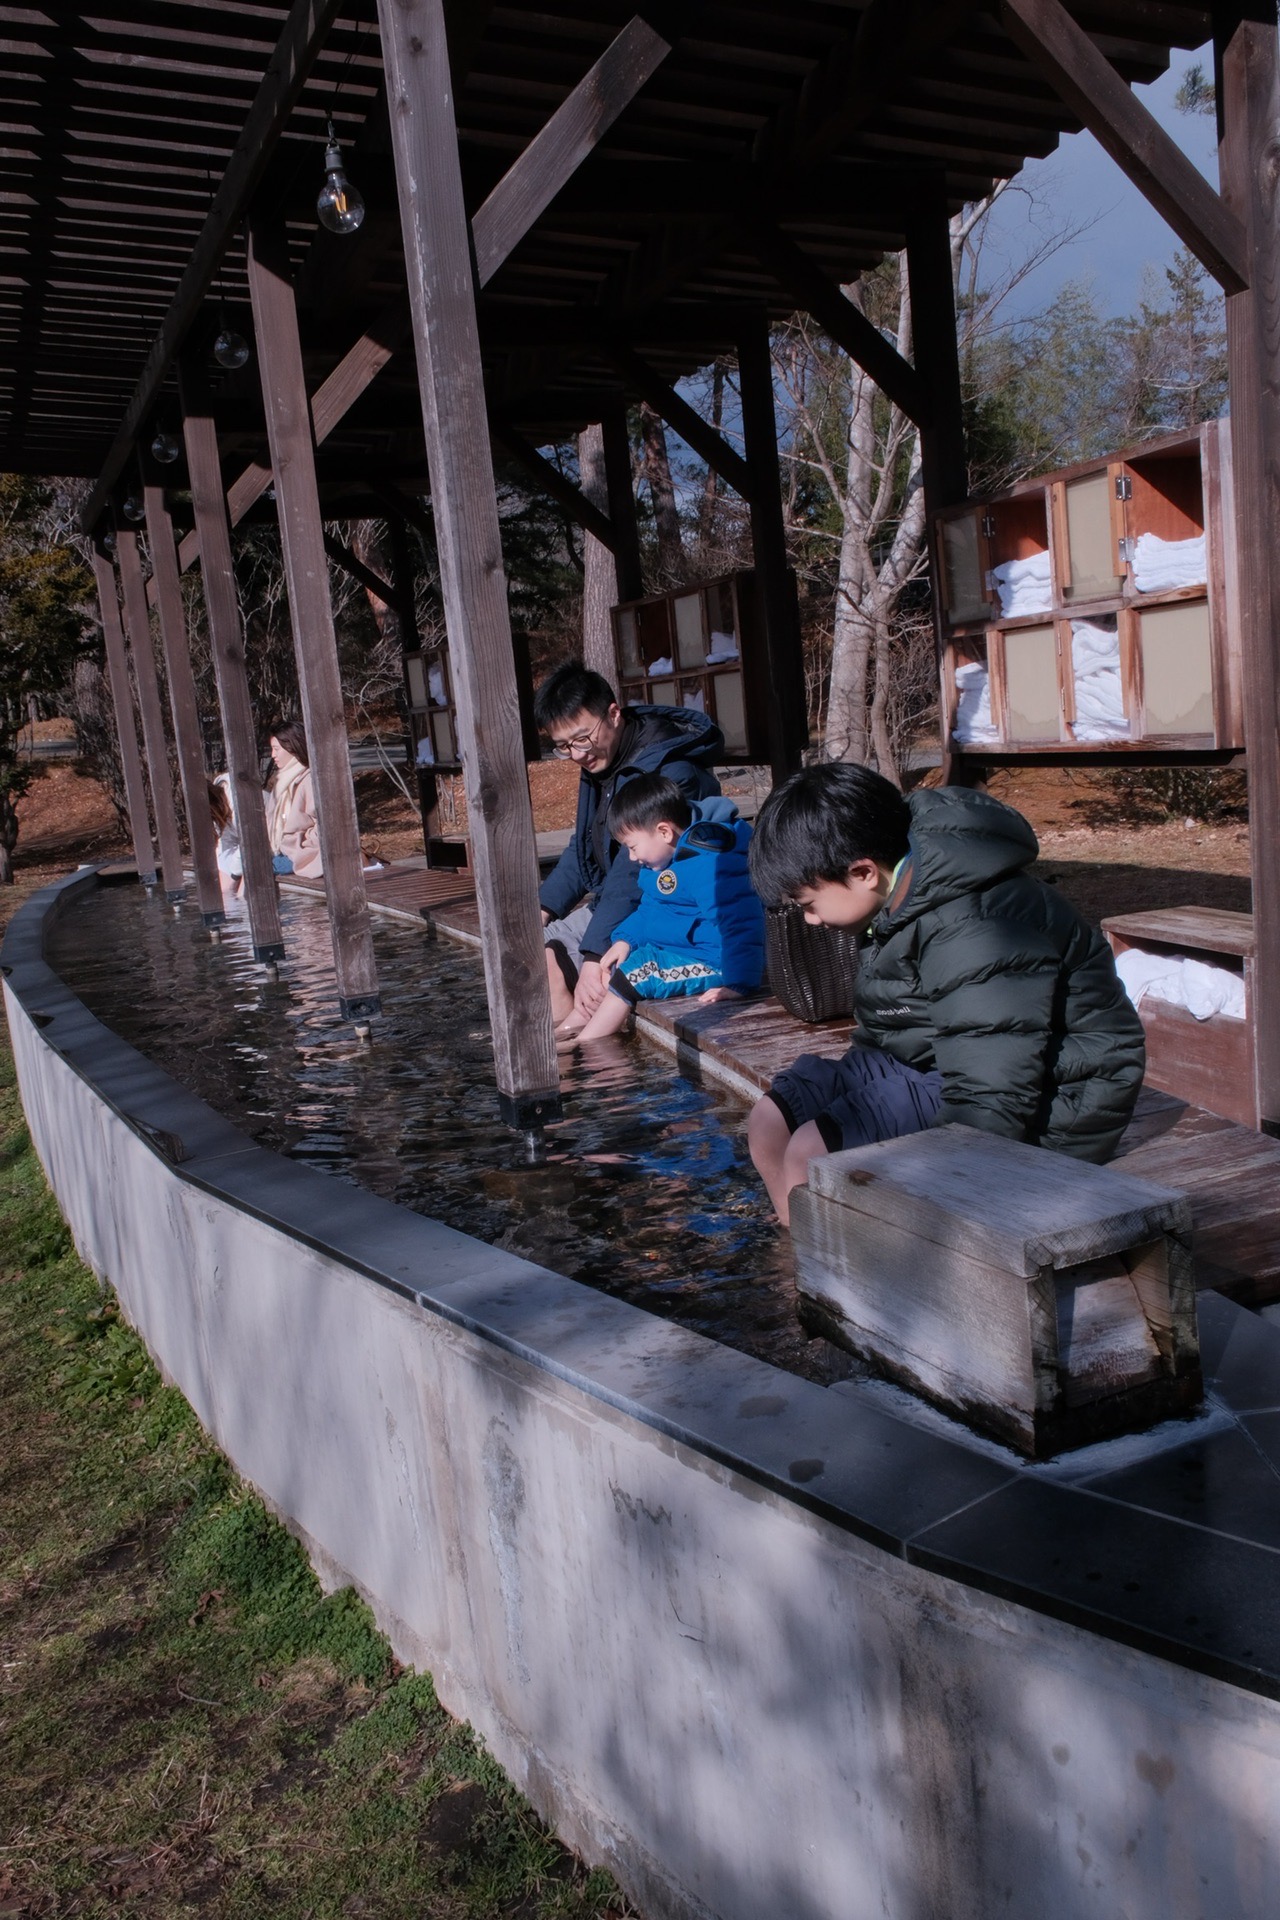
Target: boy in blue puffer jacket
[(699, 927)]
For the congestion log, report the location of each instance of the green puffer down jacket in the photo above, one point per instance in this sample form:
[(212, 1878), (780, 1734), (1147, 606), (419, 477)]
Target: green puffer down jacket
[(989, 976)]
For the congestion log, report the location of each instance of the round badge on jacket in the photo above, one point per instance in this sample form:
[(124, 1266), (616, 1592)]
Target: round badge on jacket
[(666, 881)]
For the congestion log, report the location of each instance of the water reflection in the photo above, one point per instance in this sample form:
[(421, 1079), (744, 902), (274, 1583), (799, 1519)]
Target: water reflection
[(643, 1189)]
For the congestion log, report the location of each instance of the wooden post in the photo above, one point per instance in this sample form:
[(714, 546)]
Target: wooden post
[(599, 571), (775, 583), (1249, 124), (183, 705), (315, 646), (442, 296), (620, 485), (137, 622), (227, 644), (135, 788)]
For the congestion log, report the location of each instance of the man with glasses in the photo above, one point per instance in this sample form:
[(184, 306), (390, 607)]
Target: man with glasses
[(590, 889)]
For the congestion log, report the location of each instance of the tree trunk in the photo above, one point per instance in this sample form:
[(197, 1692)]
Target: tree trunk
[(657, 470), (599, 572)]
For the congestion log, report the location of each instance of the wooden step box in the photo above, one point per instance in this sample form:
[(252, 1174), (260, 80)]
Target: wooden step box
[(1101, 660), (1042, 1300)]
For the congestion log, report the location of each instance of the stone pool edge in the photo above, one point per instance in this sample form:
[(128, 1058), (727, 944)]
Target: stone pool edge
[(544, 1375)]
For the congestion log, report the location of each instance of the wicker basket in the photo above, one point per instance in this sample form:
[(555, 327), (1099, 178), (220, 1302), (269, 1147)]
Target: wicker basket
[(812, 970)]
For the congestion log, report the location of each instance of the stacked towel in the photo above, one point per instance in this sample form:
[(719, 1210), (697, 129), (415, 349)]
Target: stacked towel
[(723, 647), (1203, 990), (1024, 586), (660, 667), (435, 687), (1161, 565), (694, 698), (973, 707), (1095, 665)]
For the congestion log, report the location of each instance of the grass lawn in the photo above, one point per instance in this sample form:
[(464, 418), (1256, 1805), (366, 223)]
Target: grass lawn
[(187, 1725)]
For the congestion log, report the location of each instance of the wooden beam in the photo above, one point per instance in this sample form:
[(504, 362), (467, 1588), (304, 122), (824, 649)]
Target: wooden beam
[(137, 624), (1162, 173), (810, 287), (372, 582), (937, 358), (678, 414), (775, 582), (315, 646), (599, 567), (304, 33), (469, 544), (184, 707), (1249, 109), (135, 787), (226, 642), (549, 476), (554, 155), (621, 488)]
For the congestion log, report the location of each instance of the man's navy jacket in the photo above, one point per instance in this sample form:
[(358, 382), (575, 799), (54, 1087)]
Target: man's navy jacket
[(678, 742)]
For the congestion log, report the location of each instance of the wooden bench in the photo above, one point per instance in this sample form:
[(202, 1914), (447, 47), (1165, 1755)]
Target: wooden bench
[(1038, 1298), (1207, 1062)]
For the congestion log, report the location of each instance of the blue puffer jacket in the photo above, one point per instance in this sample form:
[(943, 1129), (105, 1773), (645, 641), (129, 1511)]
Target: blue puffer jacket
[(704, 901), (676, 741)]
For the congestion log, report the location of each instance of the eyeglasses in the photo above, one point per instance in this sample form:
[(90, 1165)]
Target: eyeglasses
[(580, 743)]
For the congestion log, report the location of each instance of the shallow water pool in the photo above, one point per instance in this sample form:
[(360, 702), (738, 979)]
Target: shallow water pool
[(646, 1189)]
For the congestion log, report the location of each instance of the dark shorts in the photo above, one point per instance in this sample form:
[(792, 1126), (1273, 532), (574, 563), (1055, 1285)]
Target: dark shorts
[(864, 1097)]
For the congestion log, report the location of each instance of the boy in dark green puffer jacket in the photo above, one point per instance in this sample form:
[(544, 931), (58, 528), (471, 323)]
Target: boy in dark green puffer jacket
[(983, 997)]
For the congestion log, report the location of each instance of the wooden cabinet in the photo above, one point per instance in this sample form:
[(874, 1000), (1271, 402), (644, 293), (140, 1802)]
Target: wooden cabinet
[(1089, 611), (701, 647)]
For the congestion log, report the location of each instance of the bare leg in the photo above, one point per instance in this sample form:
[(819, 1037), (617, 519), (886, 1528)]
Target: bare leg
[(611, 1016), (561, 998), (781, 1157)]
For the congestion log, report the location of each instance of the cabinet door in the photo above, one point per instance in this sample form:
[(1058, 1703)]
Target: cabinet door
[(730, 711), (630, 665), (1031, 684), (691, 642), (964, 564), (1093, 558), (1177, 668)]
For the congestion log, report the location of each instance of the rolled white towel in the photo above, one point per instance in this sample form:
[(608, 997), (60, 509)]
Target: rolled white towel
[(1159, 566), (1202, 989)]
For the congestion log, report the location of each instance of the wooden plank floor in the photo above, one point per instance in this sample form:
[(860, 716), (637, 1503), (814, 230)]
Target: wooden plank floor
[(1231, 1174)]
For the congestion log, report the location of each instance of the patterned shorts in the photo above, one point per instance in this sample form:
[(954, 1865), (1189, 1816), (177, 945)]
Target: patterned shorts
[(662, 973)]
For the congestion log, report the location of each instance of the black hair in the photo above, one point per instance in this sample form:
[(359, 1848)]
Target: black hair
[(293, 739), (819, 821), (572, 689), (646, 800)]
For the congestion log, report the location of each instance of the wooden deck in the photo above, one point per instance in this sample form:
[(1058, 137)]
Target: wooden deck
[(1230, 1173)]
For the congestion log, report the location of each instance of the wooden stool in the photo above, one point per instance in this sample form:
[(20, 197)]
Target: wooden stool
[(1042, 1299)]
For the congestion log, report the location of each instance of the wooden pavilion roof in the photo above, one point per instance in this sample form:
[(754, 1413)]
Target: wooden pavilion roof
[(820, 118)]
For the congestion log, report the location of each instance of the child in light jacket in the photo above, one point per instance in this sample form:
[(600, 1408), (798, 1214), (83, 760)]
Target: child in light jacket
[(699, 927)]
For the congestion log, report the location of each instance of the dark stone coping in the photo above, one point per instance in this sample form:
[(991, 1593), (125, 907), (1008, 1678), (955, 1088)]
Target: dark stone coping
[(1169, 1543)]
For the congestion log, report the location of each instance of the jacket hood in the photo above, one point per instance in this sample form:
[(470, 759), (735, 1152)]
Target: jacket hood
[(715, 807), (960, 841), (670, 733)]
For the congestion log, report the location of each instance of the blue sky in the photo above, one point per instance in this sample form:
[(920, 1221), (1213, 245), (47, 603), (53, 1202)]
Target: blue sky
[(1080, 182)]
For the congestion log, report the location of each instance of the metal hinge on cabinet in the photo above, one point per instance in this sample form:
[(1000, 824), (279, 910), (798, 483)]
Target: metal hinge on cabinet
[(1124, 486), (989, 526), (1126, 552)]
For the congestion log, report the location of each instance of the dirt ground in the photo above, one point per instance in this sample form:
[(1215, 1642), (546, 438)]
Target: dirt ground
[(1106, 848)]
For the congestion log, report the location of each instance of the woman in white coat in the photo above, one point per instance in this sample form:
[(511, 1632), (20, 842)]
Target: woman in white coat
[(295, 839)]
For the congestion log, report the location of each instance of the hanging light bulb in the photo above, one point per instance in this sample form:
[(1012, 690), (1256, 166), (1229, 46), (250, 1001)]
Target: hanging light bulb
[(134, 509), (340, 206), (230, 349), (164, 448)]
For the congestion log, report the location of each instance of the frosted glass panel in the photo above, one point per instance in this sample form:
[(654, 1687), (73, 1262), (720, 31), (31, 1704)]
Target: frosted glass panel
[(690, 645), (1031, 683), (966, 596), (415, 668), (442, 736), (1090, 539), (731, 711), (1177, 670), (629, 643), (662, 693)]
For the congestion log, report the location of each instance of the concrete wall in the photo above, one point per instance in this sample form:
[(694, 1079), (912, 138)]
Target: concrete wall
[(640, 1564)]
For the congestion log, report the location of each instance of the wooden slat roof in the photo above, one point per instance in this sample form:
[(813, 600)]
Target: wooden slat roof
[(117, 120)]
